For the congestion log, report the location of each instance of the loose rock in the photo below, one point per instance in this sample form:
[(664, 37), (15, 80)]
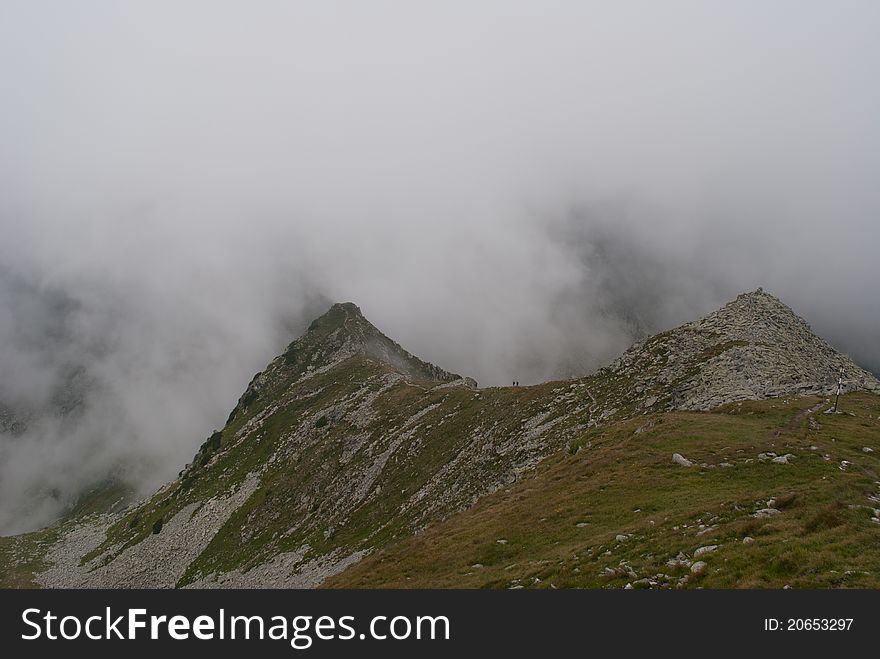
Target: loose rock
[(679, 459), (765, 512)]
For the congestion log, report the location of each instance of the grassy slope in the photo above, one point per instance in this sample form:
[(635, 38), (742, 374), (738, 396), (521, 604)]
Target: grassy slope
[(22, 556), (559, 526), (296, 502)]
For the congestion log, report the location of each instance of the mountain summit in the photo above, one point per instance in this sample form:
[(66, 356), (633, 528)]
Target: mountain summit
[(332, 339), (752, 348), (343, 331), (346, 444)]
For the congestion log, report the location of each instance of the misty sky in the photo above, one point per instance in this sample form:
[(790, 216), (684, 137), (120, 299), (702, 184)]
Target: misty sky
[(512, 190)]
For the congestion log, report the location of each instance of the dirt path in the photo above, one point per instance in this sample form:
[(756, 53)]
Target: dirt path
[(797, 420)]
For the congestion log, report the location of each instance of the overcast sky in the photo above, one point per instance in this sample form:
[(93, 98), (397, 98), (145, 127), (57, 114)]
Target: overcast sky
[(513, 190)]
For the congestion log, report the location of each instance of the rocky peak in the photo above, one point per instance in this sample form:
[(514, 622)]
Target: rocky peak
[(754, 347), (342, 316), (344, 331), (756, 316), (333, 338)]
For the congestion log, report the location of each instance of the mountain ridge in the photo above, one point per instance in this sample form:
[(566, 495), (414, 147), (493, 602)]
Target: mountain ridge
[(346, 444)]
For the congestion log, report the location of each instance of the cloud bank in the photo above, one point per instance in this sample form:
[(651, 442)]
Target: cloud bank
[(511, 190)]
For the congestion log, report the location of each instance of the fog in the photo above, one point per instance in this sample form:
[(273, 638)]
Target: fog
[(511, 190)]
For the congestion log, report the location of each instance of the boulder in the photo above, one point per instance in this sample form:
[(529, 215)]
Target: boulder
[(765, 512), (679, 459)]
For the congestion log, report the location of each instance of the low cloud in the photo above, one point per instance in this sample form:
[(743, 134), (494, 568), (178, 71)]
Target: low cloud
[(511, 191)]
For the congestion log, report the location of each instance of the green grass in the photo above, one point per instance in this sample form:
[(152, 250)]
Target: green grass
[(109, 496), (558, 527)]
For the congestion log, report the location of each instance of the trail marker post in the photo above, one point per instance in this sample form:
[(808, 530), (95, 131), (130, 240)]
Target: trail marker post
[(839, 387)]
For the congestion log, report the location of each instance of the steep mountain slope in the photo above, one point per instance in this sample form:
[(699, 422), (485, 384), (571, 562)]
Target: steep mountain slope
[(346, 444)]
